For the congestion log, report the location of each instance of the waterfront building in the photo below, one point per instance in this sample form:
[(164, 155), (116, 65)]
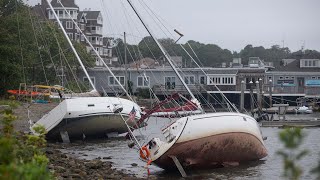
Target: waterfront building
[(90, 23), (298, 78)]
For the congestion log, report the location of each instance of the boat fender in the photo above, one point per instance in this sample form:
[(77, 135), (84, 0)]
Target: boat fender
[(144, 152)]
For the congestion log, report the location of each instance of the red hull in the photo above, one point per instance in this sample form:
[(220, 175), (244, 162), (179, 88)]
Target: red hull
[(231, 148)]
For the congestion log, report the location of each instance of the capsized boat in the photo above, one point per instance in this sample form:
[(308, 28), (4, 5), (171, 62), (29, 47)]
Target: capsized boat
[(90, 117), (207, 140)]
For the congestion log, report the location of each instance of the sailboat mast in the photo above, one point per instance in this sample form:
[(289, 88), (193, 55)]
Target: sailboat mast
[(166, 55), (98, 55), (71, 45)]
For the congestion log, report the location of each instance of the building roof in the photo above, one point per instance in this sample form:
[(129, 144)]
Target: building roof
[(90, 15), (144, 63), (295, 67), (38, 10), (66, 3)]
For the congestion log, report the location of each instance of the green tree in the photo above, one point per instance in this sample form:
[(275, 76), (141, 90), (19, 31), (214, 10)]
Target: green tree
[(32, 50)]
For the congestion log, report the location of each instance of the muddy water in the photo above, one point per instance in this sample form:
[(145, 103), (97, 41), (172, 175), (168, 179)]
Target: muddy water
[(268, 168)]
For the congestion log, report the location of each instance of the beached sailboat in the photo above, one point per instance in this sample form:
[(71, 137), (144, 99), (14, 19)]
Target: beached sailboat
[(81, 117), (205, 139)]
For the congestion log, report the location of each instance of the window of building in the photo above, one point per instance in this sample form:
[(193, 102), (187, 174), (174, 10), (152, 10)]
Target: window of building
[(60, 14), (228, 80), (305, 63), (280, 77), (143, 81), (318, 77), (82, 26), (314, 63), (71, 14), (113, 82), (292, 77), (287, 77), (86, 81), (82, 37), (313, 77), (202, 80), (189, 79), (70, 35), (170, 82), (69, 25)]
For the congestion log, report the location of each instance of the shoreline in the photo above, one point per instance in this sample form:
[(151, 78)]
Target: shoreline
[(65, 165)]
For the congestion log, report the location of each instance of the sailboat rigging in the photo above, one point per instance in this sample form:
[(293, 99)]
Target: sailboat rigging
[(203, 140), (81, 117)]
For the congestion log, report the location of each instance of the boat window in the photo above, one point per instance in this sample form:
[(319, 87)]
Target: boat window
[(90, 105)]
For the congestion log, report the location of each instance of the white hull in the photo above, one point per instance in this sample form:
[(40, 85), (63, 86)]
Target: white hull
[(303, 110), (209, 139), (88, 116)]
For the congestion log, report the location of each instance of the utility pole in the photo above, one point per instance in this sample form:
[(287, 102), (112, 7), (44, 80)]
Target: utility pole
[(242, 96), (258, 95), (251, 95), (270, 93), (125, 61)]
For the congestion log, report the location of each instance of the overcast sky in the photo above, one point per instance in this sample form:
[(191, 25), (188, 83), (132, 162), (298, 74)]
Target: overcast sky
[(231, 24)]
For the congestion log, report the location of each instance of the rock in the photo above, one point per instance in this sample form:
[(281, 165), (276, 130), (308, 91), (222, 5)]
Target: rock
[(49, 152), (134, 164), (64, 156), (107, 157), (77, 176), (83, 174), (94, 164), (59, 169), (65, 175)]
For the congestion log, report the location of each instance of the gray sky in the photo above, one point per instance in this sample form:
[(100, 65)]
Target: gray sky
[(231, 24)]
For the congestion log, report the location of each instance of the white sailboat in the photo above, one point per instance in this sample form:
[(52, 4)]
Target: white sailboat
[(206, 139), (81, 117)]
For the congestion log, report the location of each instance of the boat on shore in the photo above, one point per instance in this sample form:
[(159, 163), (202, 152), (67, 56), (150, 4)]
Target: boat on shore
[(202, 140), (206, 140), (90, 117)]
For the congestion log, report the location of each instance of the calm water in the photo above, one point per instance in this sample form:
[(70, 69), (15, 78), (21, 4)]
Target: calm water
[(268, 168)]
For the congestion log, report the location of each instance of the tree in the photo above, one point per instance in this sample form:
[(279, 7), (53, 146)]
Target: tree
[(31, 50)]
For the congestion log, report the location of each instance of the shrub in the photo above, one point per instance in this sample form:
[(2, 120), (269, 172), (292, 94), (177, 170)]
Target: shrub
[(22, 156)]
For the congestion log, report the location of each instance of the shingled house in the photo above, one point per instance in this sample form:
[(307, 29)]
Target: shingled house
[(90, 22)]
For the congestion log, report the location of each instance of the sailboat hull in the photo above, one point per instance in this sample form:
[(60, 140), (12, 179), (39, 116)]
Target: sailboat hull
[(215, 150), (209, 140), (90, 127), (90, 117)]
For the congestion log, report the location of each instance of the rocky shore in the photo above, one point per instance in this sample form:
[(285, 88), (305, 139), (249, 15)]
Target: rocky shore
[(66, 166), (62, 165)]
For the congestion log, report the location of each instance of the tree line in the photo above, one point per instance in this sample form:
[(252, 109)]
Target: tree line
[(34, 51), (209, 54)]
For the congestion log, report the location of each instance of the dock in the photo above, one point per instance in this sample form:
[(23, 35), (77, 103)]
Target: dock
[(292, 123)]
